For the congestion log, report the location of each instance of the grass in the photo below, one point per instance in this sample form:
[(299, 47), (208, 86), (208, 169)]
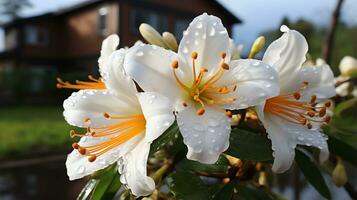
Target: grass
[(25, 129)]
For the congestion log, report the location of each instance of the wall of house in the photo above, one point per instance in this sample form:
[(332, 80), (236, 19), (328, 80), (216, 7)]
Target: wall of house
[(172, 11), (82, 36)]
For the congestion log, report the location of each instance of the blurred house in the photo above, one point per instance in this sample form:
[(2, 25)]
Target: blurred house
[(69, 39)]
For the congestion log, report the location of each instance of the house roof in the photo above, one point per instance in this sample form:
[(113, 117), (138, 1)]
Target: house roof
[(89, 3)]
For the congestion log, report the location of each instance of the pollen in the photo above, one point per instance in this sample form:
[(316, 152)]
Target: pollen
[(194, 55), (174, 64)]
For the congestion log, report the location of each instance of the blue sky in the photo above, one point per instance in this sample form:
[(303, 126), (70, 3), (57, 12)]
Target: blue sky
[(258, 15)]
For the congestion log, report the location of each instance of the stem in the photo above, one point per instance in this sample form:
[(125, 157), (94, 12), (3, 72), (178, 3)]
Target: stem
[(161, 171)]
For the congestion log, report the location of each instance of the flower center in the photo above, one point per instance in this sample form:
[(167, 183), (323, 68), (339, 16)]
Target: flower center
[(206, 92), (96, 84), (294, 110), (113, 135)]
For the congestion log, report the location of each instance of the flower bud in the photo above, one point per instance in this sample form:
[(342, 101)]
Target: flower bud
[(235, 120), (339, 176), (170, 41), (151, 35), (348, 66), (263, 180), (257, 46)]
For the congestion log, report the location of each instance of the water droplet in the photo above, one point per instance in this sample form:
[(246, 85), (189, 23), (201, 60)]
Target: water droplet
[(212, 32), (167, 123), (300, 138), (199, 25), (121, 169), (204, 36), (211, 130), (215, 24), (81, 169), (212, 122), (272, 78), (120, 161), (139, 53), (196, 42), (198, 127), (255, 62), (185, 33), (102, 162), (123, 179), (268, 85), (185, 50), (223, 32), (214, 141), (195, 135), (197, 33)]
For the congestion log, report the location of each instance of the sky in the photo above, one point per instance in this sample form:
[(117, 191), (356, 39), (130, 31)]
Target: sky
[(257, 15)]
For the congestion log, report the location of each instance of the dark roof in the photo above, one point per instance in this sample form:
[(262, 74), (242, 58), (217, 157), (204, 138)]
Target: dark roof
[(89, 3)]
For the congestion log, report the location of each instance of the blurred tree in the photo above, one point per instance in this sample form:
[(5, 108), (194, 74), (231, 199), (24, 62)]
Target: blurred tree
[(11, 9)]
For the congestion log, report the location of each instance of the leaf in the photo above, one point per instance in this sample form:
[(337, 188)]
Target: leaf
[(187, 186), (221, 166), (346, 108), (108, 184), (170, 135), (226, 192), (342, 149), (249, 146), (87, 189), (250, 193), (312, 173)]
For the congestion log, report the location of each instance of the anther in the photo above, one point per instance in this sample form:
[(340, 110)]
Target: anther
[(306, 83), (174, 64), (311, 114), (203, 70), (313, 99), (309, 126), (194, 55), (225, 66), (322, 112), (234, 88), (184, 104), (86, 120), (92, 158), (82, 150), (200, 111), (223, 55), (297, 95), (75, 145), (106, 115), (327, 119), (304, 121), (328, 104), (229, 114), (72, 133)]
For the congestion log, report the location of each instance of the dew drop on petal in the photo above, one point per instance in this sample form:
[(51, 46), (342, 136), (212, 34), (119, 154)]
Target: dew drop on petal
[(212, 122), (198, 127), (81, 169), (212, 32), (199, 25), (139, 53)]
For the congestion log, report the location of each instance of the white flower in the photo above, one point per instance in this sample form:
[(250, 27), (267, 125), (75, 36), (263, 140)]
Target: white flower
[(344, 88), (348, 66), (203, 82), (293, 117), (121, 123)]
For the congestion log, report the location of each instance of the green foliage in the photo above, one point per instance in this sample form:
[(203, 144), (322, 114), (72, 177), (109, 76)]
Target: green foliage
[(221, 166), (247, 145), (226, 192), (25, 129), (108, 183), (312, 173), (250, 193)]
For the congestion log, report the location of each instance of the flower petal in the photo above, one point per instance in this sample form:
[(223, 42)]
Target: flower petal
[(93, 103), (111, 68), (150, 67), (250, 75), (206, 136), (321, 81), (287, 54), (133, 171), (158, 112), (78, 165), (285, 136), (207, 36)]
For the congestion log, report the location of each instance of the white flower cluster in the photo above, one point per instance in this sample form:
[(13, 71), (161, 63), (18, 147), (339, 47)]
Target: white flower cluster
[(198, 86)]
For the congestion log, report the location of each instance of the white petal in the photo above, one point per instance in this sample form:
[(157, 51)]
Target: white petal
[(93, 103), (255, 82), (206, 136), (111, 68), (283, 144), (207, 36), (321, 81), (78, 165), (158, 112), (287, 54), (134, 173), (150, 67)]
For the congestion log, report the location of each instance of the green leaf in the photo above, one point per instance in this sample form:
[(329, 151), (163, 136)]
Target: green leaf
[(170, 135), (187, 186), (221, 166), (342, 149), (87, 189), (346, 108), (312, 173), (250, 193), (226, 192), (249, 146), (108, 184)]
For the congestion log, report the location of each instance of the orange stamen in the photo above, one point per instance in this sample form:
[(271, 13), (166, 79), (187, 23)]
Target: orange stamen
[(96, 84)]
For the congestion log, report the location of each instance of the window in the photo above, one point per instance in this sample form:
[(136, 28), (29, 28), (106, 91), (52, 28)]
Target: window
[(36, 35), (154, 19), (180, 26), (102, 28), (11, 39)]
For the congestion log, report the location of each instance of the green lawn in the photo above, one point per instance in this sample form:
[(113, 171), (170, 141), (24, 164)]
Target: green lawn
[(25, 128)]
